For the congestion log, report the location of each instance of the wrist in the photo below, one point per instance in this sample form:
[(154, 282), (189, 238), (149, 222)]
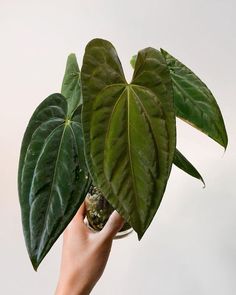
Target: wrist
[(72, 286)]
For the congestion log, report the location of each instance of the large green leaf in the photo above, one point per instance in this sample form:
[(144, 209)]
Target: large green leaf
[(129, 130), (194, 102), (181, 162), (53, 179)]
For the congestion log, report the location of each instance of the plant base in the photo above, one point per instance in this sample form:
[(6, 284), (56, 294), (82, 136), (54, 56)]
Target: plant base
[(98, 211)]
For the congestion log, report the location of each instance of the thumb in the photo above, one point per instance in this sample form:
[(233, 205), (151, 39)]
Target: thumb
[(113, 225)]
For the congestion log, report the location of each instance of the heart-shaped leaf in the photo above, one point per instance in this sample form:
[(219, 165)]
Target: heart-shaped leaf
[(53, 179), (181, 162), (129, 130), (194, 102)]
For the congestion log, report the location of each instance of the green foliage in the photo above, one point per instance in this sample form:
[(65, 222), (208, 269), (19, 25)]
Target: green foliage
[(194, 102), (125, 140), (129, 130), (53, 178), (181, 162), (71, 88)]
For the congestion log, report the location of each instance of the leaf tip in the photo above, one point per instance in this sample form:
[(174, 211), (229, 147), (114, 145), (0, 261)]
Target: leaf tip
[(71, 59), (203, 182), (71, 55), (225, 143), (140, 234), (163, 52), (223, 140), (34, 263)]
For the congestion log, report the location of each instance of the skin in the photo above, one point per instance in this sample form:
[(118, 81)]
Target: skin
[(85, 254)]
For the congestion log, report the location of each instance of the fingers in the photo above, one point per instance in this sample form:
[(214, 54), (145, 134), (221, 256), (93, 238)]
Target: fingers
[(78, 220), (113, 225), (82, 211)]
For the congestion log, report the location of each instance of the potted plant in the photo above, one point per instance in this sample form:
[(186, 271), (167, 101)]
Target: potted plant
[(119, 137)]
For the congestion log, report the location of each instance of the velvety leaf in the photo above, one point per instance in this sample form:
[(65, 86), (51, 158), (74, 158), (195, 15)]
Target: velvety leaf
[(129, 130), (53, 179), (71, 83), (181, 162), (194, 102)]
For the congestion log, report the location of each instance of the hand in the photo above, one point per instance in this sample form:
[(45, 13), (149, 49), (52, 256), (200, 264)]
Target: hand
[(85, 254)]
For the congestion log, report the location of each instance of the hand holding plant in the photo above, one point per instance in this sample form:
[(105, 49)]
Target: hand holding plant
[(85, 254)]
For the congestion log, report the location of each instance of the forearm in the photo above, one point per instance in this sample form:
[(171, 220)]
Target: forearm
[(85, 254), (73, 286)]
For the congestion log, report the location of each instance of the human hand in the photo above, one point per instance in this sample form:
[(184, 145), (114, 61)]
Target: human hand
[(85, 254)]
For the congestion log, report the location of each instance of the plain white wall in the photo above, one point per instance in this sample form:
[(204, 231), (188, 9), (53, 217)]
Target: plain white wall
[(190, 248)]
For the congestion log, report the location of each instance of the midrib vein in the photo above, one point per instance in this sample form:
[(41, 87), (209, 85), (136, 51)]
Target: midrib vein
[(129, 148)]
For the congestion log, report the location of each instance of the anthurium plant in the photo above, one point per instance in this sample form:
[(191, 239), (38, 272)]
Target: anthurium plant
[(118, 136)]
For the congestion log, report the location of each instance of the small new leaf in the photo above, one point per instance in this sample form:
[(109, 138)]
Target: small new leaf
[(71, 84)]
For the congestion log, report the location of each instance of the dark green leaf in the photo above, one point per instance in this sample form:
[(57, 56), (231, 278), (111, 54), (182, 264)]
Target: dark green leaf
[(194, 102), (53, 179), (181, 162), (71, 83), (129, 130)]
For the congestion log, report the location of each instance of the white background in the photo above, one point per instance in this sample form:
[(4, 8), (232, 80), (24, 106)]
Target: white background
[(190, 248)]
